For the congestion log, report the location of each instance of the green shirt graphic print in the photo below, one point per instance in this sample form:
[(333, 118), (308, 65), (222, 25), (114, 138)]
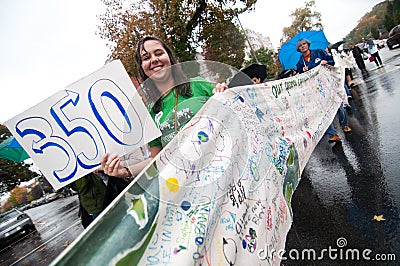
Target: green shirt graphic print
[(186, 109)]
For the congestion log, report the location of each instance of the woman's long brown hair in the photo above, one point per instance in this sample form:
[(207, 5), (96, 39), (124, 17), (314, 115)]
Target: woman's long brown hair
[(177, 73)]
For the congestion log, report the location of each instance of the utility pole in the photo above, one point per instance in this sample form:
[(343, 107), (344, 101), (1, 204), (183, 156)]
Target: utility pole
[(247, 39)]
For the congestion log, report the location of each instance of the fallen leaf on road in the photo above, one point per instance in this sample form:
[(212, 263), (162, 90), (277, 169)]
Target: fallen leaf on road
[(379, 218)]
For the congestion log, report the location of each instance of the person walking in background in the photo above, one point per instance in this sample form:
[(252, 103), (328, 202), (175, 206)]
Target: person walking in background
[(307, 61), (371, 46), (348, 76), (91, 190), (357, 54)]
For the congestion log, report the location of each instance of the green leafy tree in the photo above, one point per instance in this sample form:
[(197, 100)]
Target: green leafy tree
[(12, 173), (375, 23), (186, 26), (18, 196), (392, 15), (222, 40), (268, 58), (375, 33), (388, 22), (303, 19), (396, 12)]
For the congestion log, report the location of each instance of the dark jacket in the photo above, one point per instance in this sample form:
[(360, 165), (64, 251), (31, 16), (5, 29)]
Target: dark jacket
[(316, 57), (91, 190), (357, 53)]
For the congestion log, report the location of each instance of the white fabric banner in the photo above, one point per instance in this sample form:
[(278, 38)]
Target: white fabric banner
[(231, 173), (222, 192)]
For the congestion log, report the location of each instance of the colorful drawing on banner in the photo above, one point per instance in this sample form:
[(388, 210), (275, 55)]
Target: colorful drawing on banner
[(138, 209), (231, 203), (172, 184), (292, 175), (67, 134)]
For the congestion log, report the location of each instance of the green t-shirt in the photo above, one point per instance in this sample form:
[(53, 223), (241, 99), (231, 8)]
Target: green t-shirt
[(186, 109)]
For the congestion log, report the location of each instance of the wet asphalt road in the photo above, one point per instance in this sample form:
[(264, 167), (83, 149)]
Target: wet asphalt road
[(57, 225), (344, 186)]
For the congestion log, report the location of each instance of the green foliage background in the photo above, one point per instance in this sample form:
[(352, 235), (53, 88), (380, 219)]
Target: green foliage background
[(12, 173)]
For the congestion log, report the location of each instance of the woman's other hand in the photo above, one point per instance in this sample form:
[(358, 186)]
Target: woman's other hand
[(112, 166), (220, 87)]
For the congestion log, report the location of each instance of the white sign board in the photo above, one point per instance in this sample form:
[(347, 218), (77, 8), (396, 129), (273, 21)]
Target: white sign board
[(67, 134)]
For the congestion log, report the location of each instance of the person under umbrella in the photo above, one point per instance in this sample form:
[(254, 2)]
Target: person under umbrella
[(252, 74), (310, 59), (257, 72), (288, 54)]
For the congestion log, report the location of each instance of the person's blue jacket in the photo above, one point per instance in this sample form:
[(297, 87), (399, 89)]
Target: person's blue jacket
[(316, 57)]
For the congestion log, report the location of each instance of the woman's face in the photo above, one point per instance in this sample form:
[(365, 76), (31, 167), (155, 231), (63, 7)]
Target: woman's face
[(303, 47), (155, 59)]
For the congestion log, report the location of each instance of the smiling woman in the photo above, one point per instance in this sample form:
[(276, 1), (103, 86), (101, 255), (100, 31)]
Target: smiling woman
[(174, 98)]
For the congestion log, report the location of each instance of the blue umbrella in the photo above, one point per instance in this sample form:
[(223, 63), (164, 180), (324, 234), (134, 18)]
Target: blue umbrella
[(288, 55)]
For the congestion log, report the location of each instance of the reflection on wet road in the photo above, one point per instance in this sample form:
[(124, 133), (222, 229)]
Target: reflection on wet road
[(57, 225), (345, 186)]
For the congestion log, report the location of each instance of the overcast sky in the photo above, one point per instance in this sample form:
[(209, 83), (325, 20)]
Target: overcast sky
[(338, 17), (48, 44)]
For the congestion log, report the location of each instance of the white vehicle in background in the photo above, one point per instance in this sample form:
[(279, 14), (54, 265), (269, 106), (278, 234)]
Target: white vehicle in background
[(52, 196), (38, 202), (14, 223)]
